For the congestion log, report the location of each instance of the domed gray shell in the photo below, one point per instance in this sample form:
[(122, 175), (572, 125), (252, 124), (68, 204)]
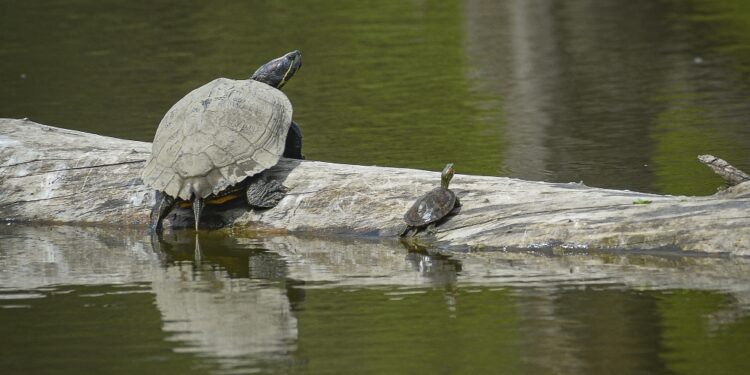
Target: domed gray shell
[(216, 136)]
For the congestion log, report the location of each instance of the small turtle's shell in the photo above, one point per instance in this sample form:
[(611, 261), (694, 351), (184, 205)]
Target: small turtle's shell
[(216, 136), (431, 207)]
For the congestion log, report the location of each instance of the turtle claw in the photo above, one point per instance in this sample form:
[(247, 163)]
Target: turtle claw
[(432, 229), (405, 231)]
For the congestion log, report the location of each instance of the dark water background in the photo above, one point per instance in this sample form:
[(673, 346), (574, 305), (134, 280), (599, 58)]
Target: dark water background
[(620, 94)]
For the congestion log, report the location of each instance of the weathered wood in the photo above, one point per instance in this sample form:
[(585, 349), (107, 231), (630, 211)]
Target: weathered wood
[(731, 175), (49, 174)]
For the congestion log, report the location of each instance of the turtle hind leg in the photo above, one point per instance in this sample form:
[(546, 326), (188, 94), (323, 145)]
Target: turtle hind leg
[(198, 204), (162, 207), (410, 231), (264, 193), (432, 229), (405, 231)]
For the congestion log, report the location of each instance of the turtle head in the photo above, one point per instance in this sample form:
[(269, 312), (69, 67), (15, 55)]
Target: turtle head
[(279, 71), (447, 175)]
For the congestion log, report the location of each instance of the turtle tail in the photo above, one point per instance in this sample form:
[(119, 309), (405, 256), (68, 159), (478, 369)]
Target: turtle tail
[(197, 208)]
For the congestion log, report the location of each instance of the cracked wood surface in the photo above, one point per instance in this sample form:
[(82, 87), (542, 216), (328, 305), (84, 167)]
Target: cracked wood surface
[(50, 174), (731, 175)]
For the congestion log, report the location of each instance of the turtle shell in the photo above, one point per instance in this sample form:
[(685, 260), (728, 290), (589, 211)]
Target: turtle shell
[(216, 136), (431, 207)]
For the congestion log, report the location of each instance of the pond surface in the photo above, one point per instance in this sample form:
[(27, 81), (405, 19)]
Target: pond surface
[(620, 94), (617, 94), (109, 302)]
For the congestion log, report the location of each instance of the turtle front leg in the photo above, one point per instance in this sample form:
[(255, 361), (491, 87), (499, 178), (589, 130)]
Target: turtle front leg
[(162, 207), (457, 207), (293, 145), (264, 193), (432, 229)]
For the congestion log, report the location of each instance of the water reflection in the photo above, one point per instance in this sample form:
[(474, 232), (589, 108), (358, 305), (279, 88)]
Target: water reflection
[(287, 303), (225, 298), (592, 86)]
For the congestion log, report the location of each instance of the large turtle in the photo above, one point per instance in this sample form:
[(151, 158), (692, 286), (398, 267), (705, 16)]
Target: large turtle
[(277, 73), (433, 206), (213, 144)]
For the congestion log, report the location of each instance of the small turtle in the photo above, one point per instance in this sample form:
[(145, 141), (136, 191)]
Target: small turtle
[(433, 206), (213, 145)]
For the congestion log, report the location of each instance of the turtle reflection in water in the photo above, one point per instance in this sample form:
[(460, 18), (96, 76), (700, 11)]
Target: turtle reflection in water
[(430, 208), (213, 145)]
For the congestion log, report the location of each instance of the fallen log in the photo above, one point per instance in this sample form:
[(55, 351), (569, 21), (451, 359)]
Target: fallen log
[(55, 175)]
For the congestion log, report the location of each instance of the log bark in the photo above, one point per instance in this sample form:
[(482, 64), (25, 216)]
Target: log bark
[(731, 175), (54, 175)]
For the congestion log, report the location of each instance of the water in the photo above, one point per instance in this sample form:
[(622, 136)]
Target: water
[(104, 301), (618, 94)]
